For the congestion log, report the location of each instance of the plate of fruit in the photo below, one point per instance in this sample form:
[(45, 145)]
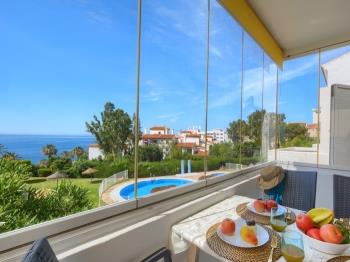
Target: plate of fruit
[(322, 232), (263, 207), (241, 233)]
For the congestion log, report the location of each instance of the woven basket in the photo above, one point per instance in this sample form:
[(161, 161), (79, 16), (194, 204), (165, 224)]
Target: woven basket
[(246, 214), (339, 259), (239, 254)]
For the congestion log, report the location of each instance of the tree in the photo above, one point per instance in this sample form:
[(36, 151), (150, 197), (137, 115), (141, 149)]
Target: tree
[(61, 164), (49, 150), (66, 154), (112, 130), (224, 150), (234, 130), (10, 156), (255, 121), (175, 152), (78, 152), (293, 130), (150, 153)]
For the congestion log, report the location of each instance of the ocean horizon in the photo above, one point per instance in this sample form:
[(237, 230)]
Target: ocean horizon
[(29, 147)]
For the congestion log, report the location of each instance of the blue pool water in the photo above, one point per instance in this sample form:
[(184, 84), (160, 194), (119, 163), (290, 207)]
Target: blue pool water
[(145, 187)]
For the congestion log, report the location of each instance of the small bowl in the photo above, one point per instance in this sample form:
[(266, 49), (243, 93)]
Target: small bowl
[(325, 247)]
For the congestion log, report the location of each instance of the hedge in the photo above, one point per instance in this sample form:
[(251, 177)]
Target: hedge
[(44, 171), (165, 167)]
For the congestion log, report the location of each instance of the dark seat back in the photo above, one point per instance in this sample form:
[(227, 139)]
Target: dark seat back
[(300, 189), (341, 196), (41, 251), (162, 253)]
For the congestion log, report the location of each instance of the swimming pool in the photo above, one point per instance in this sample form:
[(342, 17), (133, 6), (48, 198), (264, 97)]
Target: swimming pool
[(145, 186)]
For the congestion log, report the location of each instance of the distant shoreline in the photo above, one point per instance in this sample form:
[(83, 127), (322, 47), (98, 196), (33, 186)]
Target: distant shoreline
[(4, 134), (29, 147)]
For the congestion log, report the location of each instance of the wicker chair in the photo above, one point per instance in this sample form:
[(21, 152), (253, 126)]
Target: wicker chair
[(162, 253), (300, 189), (341, 196), (41, 251)]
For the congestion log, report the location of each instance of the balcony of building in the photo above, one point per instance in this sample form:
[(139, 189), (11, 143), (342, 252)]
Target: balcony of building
[(268, 44)]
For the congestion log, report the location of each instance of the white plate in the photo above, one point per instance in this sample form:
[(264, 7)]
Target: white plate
[(280, 210), (236, 240)]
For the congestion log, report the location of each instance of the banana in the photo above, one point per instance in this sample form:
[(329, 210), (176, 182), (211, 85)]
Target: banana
[(326, 221), (321, 216)]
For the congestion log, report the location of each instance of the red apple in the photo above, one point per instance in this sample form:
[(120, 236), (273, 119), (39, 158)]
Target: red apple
[(270, 204), (331, 234), (228, 227), (304, 222), (259, 205), (314, 233)]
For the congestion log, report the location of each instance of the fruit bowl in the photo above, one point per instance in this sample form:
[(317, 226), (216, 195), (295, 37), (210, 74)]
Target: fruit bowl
[(325, 247)]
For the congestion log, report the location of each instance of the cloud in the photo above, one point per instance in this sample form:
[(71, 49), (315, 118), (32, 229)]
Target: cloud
[(99, 17), (253, 84), (215, 51), (184, 17), (153, 94), (172, 117)]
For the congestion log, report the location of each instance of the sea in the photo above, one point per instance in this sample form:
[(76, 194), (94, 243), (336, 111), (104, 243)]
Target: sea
[(29, 147)]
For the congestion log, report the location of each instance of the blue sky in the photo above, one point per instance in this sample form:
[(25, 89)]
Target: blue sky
[(61, 60)]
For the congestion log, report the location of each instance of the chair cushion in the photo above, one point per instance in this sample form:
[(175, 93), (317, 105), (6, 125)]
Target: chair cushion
[(41, 251)]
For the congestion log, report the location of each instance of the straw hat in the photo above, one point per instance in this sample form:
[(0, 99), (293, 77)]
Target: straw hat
[(270, 177)]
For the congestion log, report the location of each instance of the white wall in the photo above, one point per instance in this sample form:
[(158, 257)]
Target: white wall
[(95, 153)]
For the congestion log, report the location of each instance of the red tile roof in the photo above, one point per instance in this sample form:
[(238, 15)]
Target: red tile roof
[(94, 145), (312, 126), (158, 136), (193, 135), (159, 128), (186, 145)]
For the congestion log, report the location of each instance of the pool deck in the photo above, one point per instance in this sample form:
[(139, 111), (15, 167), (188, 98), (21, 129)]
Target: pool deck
[(108, 199)]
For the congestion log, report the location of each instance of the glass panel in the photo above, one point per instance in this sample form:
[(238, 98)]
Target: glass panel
[(269, 109), (334, 109), (252, 113), (298, 103), (61, 62), (172, 101), (224, 92)]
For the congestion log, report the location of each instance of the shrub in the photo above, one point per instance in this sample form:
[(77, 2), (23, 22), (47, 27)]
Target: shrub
[(108, 168), (61, 163), (43, 172), (150, 153), (20, 167), (22, 205), (35, 180)]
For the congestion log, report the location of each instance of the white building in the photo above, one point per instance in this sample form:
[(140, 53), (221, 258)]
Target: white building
[(95, 152), (159, 130), (159, 135), (219, 135)]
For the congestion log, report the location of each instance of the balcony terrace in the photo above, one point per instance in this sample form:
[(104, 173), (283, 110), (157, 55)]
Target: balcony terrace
[(269, 44)]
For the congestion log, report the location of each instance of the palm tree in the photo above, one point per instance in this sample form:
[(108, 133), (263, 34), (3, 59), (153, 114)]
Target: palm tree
[(67, 154), (10, 156), (2, 150), (49, 150), (78, 152)]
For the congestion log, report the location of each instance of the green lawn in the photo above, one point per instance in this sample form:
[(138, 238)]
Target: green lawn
[(83, 182)]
